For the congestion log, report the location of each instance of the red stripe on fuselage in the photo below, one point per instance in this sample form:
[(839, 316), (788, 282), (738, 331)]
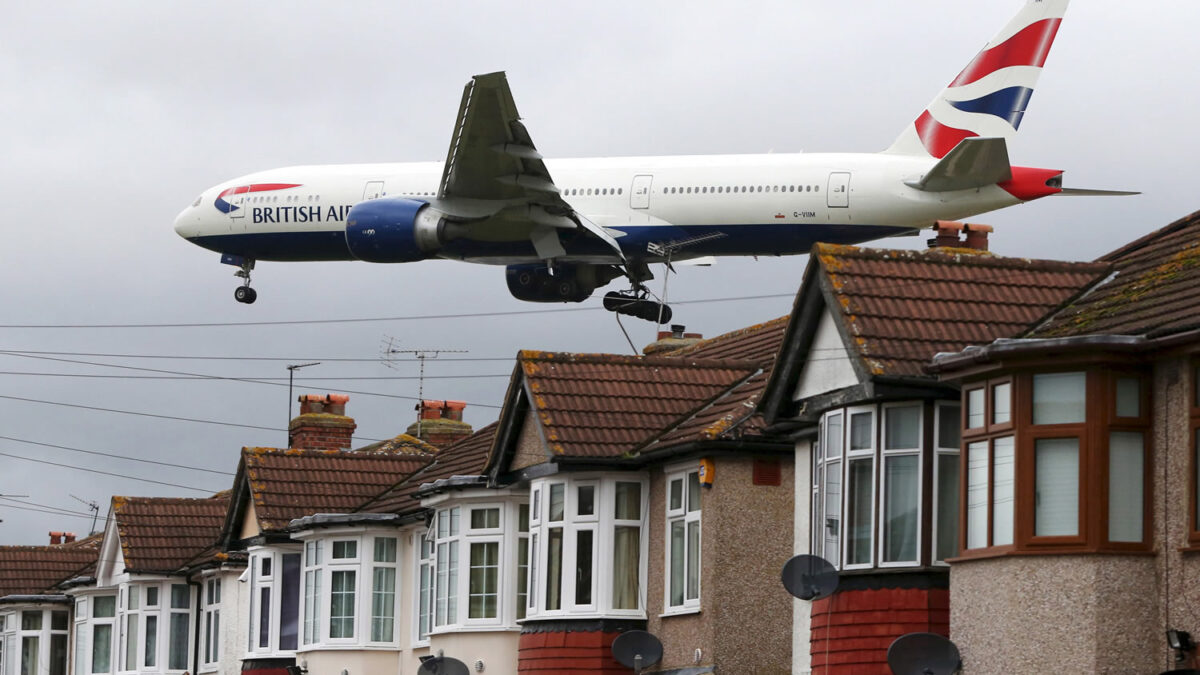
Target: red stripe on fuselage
[(1030, 47), (258, 187)]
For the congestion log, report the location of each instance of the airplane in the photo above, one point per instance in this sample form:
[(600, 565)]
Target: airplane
[(563, 228)]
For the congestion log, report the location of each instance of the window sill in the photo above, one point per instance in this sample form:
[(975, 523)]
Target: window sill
[(682, 611)]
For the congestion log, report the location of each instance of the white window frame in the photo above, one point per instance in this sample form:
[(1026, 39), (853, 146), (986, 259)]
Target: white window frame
[(423, 555), (848, 455), (372, 565), (941, 409), (884, 454), (344, 564), (686, 516), (210, 626)]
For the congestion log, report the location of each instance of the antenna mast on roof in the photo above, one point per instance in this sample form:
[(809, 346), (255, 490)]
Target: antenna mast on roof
[(93, 507), (421, 355)]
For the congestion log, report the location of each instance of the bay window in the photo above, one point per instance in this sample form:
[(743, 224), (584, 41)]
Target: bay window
[(587, 551), (34, 641), (349, 589), (275, 600), (945, 480), (424, 623), (1056, 461), (210, 642), (901, 487), (683, 540)]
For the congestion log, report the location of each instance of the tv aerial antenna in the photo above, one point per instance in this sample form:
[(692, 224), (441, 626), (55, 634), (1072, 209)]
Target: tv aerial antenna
[(923, 654), (422, 355), (637, 649), (291, 377), (93, 507)]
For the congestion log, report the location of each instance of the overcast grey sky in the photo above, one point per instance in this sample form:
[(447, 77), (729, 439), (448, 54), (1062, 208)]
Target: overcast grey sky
[(116, 115)]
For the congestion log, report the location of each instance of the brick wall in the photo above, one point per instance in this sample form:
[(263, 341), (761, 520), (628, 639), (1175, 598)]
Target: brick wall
[(852, 629)]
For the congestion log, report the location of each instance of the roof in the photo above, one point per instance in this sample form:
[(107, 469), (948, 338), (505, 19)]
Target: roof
[(1153, 293), (34, 570), (899, 308), (758, 343), (290, 484), (467, 457), (608, 405), (163, 534)]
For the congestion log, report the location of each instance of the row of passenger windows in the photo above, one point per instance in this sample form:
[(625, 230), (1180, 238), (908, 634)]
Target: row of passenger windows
[(593, 192), (288, 199), (744, 188)]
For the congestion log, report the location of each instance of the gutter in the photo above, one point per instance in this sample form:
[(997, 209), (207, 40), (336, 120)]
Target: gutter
[(949, 361), (722, 447)]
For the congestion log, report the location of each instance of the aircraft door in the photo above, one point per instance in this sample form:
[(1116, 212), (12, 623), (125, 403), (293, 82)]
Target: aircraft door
[(639, 192), (838, 194), (238, 203), (373, 190)]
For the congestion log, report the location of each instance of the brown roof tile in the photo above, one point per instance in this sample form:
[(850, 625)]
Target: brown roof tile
[(606, 405), (290, 484), (34, 570), (902, 307), (162, 534), (464, 458), (758, 343), (1153, 292)]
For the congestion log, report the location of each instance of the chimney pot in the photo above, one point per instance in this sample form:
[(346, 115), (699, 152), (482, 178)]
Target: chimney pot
[(977, 236), (68, 537), (56, 538), (947, 232), (322, 423), (677, 330)]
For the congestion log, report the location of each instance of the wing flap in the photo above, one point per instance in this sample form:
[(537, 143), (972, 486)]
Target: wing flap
[(973, 163)]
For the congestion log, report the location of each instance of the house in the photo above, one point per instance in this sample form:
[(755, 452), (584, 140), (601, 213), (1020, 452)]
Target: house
[(877, 442), (1078, 511)]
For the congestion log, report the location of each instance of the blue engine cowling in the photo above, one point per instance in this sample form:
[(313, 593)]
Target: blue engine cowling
[(393, 229)]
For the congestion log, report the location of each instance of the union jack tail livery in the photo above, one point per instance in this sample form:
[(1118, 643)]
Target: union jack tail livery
[(989, 97)]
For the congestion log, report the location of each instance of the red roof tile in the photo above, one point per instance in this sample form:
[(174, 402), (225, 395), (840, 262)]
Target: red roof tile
[(606, 405), (35, 570), (899, 308), (1153, 292), (161, 534), (758, 343), (464, 458), (290, 484)]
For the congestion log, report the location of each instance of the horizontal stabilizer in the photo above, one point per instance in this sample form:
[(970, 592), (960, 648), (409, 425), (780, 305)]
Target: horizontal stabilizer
[(1081, 192), (973, 163)]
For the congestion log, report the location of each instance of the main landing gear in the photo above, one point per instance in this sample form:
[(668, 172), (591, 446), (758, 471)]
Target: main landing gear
[(636, 303), (244, 293)]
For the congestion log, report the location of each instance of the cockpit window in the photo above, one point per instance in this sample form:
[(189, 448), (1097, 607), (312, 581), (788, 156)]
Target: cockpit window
[(197, 202)]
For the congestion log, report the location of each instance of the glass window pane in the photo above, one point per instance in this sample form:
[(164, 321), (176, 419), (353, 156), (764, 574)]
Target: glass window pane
[(833, 435), (134, 594), (102, 648), (177, 653), (345, 550), (31, 620), (1002, 491), (949, 431), (903, 427), (152, 596), (860, 503), (557, 501), (585, 500), (554, 555), (693, 496), (832, 527), (693, 555), (385, 549), (58, 620), (1059, 398), (678, 560), (80, 651), (104, 606), (522, 575), (289, 601), (522, 518), (1002, 403), (860, 431), (1126, 485), (675, 499), (482, 580), (341, 604), (131, 642), (58, 654), (583, 567), (629, 501), (626, 563), (975, 399), (29, 655), (383, 604), (947, 506), (485, 519), (1056, 485), (151, 640), (1129, 397), (264, 619), (901, 501)]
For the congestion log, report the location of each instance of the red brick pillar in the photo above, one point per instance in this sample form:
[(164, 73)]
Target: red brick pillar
[(852, 629), (570, 647)]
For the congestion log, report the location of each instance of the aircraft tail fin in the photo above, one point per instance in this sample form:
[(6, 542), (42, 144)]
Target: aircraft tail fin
[(989, 97)]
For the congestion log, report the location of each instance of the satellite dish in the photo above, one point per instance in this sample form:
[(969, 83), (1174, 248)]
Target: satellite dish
[(923, 654), (637, 649), (443, 665), (809, 577)]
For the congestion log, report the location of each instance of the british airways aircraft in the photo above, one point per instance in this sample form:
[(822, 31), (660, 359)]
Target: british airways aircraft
[(565, 227)]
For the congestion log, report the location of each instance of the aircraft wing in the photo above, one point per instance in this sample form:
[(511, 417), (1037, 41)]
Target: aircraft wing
[(492, 158)]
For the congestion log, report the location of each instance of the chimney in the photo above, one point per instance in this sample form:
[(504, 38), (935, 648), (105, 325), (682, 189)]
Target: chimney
[(977, 236), (322, 423), (947, 234), (440, 423), (56, 538), (671, 340), (68, 537)]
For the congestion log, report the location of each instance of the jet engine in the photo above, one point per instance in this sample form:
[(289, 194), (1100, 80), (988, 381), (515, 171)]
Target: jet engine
[(393, 229)]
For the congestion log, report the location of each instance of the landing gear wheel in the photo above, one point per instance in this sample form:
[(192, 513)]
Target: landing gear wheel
[(636, 305), (245, 294)]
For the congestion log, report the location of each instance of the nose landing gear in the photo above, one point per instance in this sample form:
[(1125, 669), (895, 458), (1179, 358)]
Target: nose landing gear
[(243, 294)]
